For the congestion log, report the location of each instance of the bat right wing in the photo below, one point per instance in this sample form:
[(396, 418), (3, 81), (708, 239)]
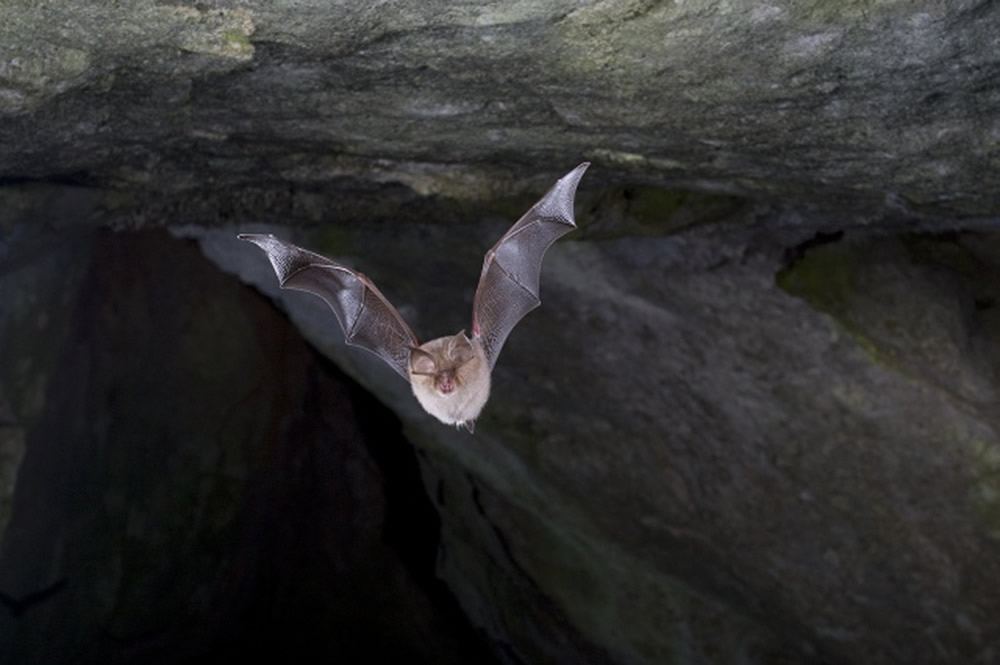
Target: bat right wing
[(367, 318), (508, 286)]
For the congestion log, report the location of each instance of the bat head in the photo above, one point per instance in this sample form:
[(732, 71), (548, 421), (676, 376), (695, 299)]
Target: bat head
[(443, 362)]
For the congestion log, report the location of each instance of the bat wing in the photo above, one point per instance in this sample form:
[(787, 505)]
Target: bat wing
[(368, 319), (508, 286)]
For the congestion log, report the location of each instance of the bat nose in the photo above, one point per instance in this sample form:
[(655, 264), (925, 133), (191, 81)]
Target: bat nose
[(446, 385)]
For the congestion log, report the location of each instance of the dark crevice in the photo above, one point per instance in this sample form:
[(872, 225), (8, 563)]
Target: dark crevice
[(795, 254), (412, 526), (477, 501), (501, 539), (18, 606), (64, 179), (984, 303)]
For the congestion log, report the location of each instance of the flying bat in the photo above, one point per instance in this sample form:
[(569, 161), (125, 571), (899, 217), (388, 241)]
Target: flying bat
[(450, 375)]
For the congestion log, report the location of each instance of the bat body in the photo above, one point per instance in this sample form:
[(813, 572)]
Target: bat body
[(450, 375)]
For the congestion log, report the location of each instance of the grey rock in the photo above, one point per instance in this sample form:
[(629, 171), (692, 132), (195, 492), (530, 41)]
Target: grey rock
[(854, 104)]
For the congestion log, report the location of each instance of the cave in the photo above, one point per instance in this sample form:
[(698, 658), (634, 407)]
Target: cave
[(753, 422)]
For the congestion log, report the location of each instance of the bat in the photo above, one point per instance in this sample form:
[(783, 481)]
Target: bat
[(450, 376)]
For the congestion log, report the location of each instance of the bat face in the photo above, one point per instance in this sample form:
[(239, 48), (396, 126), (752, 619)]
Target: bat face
[(450, 377)]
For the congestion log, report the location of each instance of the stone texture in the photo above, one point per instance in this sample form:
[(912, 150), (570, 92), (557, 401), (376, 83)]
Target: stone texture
[(862, 104)]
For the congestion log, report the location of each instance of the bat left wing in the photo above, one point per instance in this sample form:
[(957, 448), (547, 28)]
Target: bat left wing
[(508, 286), (368, 319)]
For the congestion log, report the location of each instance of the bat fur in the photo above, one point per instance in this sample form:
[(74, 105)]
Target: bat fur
[(450, 375)]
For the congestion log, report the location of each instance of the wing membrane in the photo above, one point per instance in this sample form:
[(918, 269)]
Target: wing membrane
[(367, 318), (509, 284)]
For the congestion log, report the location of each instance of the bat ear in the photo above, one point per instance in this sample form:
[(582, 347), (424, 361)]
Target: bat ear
[(460, 340), (460, 348), (422, 362)]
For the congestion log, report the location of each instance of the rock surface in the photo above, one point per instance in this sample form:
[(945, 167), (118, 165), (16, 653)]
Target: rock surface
[(859, 103), (753, 422)]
